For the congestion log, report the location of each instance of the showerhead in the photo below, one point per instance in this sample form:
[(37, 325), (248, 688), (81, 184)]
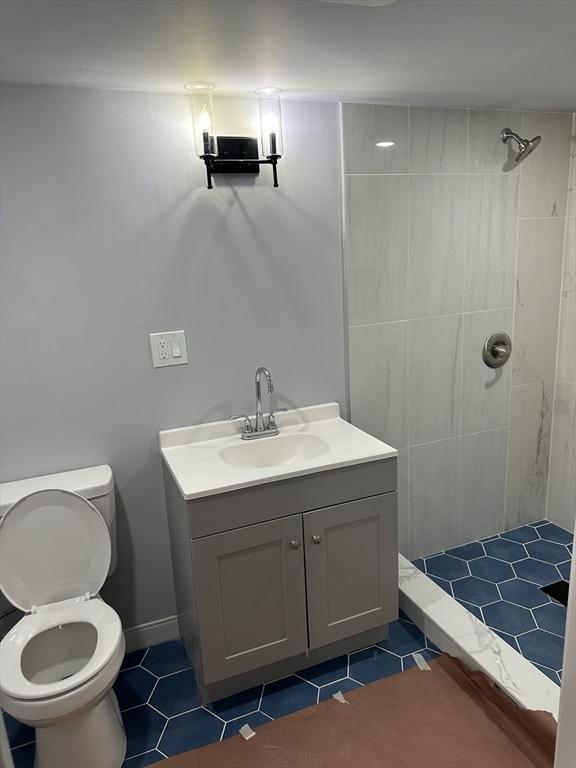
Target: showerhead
[(525, 146)]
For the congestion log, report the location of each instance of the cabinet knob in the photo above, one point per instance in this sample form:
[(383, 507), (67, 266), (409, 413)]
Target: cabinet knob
[(316, 539), (294, 544)]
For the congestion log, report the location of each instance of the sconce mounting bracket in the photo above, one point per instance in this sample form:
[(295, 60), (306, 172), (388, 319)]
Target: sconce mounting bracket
[(238, 154), (239, 148)]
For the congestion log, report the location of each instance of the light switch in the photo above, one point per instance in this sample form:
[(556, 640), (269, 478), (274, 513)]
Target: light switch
[(168, 348)]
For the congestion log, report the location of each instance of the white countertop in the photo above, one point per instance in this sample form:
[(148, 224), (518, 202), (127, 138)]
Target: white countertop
[(193, 454)]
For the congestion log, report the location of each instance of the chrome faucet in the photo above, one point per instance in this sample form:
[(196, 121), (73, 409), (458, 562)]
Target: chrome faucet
[(259, 415), (262, 427)]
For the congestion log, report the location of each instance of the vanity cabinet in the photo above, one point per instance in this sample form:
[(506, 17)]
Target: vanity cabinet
[(270, 580)]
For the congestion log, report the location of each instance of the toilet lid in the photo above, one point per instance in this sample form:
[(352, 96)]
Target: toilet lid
[(54, 545)]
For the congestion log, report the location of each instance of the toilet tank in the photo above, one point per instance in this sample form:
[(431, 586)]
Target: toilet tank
[(94, 483)]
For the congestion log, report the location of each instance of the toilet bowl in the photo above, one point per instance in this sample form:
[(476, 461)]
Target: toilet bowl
[(59, 662)]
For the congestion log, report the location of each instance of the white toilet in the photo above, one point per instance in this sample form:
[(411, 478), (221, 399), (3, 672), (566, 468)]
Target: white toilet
[(59, 662)]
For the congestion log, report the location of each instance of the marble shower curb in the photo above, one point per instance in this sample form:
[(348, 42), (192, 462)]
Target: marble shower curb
[(456, 631)]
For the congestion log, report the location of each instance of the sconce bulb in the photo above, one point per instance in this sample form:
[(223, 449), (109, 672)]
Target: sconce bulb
[(204, 121), (270, 123)]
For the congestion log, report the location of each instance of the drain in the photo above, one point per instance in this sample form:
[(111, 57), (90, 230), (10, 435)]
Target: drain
[(558, 591)]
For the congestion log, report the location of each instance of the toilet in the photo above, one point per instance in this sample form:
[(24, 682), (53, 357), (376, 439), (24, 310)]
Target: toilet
[(59, 662)]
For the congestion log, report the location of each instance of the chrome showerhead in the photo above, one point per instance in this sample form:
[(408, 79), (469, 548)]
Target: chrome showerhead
[(525, 146)]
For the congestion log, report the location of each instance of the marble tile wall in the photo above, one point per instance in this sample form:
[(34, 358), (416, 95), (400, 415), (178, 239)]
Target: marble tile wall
[(561, 506), (447, 241)]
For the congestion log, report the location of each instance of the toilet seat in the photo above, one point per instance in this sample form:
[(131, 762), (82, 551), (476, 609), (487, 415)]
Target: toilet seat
[(95, 611), (54, 558), (54, 545)]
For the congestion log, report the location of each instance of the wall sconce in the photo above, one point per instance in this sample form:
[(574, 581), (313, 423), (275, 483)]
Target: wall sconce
[(236, 154)]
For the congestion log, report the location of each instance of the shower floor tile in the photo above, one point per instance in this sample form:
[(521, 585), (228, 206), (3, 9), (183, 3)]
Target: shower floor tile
[(161, 706), (498, 579)]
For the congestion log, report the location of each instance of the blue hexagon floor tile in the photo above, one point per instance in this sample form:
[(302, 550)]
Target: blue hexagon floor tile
[(491, 569), (287, 695), (189, 731), (476, 591), (503, 549), (552, 618), (176, 693), (522, 535), (509, 618), (446, 567), (553, 532), (503, 590), (403, 637), (133, 687), (536, 571), (543, 648), (548, 551), (372, 664), (165, 658), (237, 705), (327, 672), (523, 593)]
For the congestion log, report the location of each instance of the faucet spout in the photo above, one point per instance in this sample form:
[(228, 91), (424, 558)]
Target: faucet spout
[(259, 413)]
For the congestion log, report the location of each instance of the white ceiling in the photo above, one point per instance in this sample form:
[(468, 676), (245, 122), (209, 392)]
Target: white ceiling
[(492, 53)]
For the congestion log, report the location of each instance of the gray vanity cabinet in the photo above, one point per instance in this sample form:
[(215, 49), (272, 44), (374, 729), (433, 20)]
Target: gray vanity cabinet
[(351, 562), (250, 596), (284, 575)]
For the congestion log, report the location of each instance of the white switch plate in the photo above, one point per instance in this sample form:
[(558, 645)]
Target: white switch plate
[(164, 345)]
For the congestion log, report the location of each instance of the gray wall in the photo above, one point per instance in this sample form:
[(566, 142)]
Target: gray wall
[(448, 241), (108, 234), (562, 477)]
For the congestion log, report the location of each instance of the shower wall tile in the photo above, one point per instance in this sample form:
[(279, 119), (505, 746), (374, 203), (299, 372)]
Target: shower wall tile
[(544, 178), (448, 241), (378, 388), (487, 153), (482, 483), (403, 505), (566, 366), (538, 276), (485, 391), (434, 373), (377, 248), (528, 452), (439, 140), (366, 124), (562, 481), (491, 241), (437, 244), (434, 496)]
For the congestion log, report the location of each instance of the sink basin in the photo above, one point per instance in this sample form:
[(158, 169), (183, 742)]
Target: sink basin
[(273, 451), (209, 459)]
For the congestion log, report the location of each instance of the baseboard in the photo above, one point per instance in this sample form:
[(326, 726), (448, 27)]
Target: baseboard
[(152, 633)]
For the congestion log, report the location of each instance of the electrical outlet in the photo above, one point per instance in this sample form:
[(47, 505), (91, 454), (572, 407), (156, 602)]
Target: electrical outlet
[(168, 349)]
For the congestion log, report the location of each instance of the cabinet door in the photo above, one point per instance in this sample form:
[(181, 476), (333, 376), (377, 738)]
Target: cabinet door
[(351, 568), (251, 597)]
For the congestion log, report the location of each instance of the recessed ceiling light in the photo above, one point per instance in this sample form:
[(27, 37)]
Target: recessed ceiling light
[(368, 3), (385, 144), (198, 87), (268, 91)]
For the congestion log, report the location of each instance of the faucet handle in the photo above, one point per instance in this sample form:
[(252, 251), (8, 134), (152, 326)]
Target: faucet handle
[(271, 419), (247, 425)]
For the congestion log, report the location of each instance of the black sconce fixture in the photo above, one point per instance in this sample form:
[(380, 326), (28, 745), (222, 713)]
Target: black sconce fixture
[(236, 154)]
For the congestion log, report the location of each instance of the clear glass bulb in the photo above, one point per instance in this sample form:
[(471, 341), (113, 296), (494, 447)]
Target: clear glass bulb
[(270, 123), (204, 121)]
